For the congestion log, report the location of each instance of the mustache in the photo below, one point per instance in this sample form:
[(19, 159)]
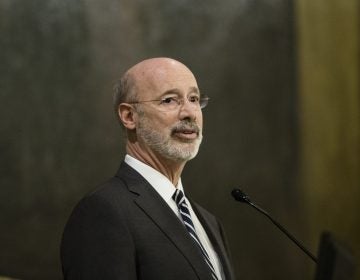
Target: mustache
[(185, 125)]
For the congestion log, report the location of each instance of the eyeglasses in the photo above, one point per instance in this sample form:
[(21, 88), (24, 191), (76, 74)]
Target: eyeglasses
[(171, 103)]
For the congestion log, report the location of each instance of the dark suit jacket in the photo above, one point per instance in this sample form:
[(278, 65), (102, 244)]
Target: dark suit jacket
[(125, 230)]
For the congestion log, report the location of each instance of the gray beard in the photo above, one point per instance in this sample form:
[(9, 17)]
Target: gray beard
[(165, 145)]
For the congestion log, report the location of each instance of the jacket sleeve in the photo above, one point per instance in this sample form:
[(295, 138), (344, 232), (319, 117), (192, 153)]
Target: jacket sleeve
[(97, 244)]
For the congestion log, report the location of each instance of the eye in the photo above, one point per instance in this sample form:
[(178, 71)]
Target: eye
[(194, 99), (168, 100)]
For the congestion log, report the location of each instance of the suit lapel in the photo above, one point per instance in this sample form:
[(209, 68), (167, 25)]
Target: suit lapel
[(215, 237), (161, 214)]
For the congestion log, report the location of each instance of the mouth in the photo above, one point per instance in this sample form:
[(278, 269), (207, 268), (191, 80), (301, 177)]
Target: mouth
[(186, 131), (186, 134)]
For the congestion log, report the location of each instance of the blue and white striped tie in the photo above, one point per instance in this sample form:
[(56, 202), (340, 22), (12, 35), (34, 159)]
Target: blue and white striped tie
[(185, 216)]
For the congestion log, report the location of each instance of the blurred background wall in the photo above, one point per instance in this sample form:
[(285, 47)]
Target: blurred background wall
[(283, 122), (329, 71)]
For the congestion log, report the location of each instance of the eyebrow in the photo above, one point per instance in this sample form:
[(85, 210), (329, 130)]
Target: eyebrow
[(195, 89), (176, 91)]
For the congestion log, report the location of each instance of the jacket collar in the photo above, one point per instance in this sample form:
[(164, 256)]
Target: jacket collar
[(149, 201), (217, 238)]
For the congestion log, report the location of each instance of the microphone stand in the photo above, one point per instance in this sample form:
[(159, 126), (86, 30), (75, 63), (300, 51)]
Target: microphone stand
[(242, 197)]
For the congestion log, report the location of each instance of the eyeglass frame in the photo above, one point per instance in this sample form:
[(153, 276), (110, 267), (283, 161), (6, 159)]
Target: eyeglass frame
[(179, 101)]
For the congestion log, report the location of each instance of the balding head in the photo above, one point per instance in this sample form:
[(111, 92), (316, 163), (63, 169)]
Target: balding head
[(147, 75), (158, 103)]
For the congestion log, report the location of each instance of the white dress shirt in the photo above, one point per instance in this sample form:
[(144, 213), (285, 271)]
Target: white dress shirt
[(166, 189)]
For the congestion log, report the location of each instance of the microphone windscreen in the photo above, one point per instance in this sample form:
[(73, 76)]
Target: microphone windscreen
[(239, 195)]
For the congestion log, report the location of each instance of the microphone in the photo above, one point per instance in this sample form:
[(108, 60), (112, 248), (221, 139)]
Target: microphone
[(239, 195)]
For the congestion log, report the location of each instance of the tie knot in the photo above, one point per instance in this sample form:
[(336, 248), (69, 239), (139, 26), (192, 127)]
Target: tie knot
[(178, 196)]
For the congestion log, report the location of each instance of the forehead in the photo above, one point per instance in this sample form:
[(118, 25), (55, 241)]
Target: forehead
[(157, 78)]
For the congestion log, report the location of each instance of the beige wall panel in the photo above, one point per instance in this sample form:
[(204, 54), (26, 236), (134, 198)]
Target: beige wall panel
[(328, 55)]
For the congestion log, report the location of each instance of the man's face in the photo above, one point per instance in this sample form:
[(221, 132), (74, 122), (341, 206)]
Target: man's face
[(174, 134)]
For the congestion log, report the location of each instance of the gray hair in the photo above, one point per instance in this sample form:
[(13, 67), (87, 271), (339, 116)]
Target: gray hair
[(124, 91)]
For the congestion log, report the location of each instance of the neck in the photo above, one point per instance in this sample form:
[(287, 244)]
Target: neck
[(169, 168)]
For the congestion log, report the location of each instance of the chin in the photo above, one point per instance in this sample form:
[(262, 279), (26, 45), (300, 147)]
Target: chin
[(181, 152), (170, 147)]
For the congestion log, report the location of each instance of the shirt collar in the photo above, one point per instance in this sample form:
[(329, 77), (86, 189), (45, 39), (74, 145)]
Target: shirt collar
[(156, 179)]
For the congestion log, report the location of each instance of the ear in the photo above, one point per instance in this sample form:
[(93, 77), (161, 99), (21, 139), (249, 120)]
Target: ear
[(126, 115)]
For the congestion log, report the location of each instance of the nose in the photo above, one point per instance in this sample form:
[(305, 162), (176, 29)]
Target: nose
[(188, 110)]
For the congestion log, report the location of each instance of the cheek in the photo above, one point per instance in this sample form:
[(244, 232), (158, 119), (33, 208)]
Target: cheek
[(199, 120), (168, 118), (163, 120)]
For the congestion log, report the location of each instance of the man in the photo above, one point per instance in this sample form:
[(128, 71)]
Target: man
[(139, 225)]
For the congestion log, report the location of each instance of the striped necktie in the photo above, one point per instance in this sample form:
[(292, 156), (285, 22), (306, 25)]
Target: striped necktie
[(185, 216)]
